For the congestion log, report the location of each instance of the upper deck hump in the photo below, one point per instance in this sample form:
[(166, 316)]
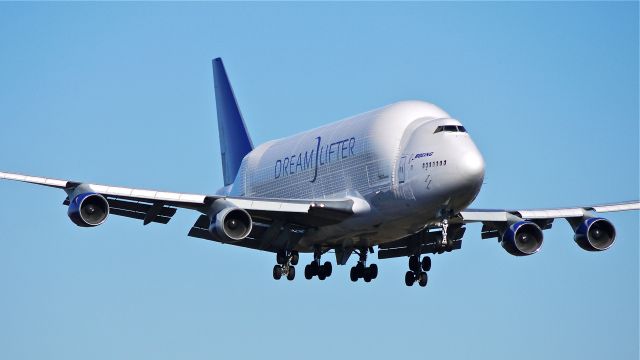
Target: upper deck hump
[(391, 120)]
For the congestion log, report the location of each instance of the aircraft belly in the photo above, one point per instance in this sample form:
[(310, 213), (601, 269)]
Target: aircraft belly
[(396, 219)]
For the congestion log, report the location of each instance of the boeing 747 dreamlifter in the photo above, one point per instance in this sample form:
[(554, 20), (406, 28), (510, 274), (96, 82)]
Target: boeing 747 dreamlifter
[(399, 178)]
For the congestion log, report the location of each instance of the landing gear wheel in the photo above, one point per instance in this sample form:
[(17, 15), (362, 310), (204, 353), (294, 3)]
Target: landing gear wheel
[(426, 263), (277, 272), (327, 268), (314, 268), (360, 270), (422, 279), (281, 258), (367, 275), (414, 263), (373, 270), (292, 273), (353, 274), (409, 278), (322, 274), (295, 257), (307, 272)]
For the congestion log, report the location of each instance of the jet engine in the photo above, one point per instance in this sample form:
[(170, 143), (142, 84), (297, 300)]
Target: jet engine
[(595, 234), (229, 222), (88, 209), (522, 238)]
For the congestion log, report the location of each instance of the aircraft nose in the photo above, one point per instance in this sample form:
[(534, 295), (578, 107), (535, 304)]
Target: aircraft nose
[(471, 167)]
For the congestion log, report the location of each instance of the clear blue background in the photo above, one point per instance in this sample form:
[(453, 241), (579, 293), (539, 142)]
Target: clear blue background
[(122, 94)]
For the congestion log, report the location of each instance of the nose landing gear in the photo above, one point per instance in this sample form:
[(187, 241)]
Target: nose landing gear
[(285, 267), (418, 268)]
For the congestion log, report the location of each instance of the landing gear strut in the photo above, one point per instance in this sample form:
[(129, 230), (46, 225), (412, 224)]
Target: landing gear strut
[(445, 244), (285, 267), (315, 268), (361, 270)]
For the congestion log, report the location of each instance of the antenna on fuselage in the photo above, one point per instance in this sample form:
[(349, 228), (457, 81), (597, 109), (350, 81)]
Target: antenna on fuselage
[(235, 142)]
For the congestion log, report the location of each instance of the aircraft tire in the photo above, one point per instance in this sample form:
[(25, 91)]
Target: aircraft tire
[(414, 263), (426, 263), (353, 274), (295, 257), (360, 270), (367, 274), (373, 269), (307, 272), (277, 272), (328, 268), (409, 278), (314, 268), (423, 278), (292, 273)]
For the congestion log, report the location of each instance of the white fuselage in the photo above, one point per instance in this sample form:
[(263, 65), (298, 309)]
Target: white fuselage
[(402, 174)]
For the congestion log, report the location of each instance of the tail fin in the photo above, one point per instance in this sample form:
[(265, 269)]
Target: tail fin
[(235, 142)]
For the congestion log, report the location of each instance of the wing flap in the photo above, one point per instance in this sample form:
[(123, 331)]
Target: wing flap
[(140, 216)]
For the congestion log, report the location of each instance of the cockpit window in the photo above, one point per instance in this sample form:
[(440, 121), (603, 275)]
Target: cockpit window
[(450, 128)]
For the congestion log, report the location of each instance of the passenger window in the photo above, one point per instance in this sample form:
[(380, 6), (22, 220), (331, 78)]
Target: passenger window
[(445, 162)]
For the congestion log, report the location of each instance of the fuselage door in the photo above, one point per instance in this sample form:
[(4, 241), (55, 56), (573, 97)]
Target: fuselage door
[(401, 169)]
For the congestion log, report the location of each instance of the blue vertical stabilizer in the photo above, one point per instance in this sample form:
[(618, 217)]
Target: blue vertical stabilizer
[(235, 142)]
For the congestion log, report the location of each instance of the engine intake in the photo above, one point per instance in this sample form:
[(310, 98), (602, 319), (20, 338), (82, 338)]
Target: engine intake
[(230, 223), (595, 234), (88, 209), (522, 238)]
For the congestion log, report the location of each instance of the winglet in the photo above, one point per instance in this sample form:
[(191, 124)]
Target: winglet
[(235, 142)]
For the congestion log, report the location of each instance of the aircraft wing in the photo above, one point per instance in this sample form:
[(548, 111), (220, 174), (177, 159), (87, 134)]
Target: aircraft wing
[(486, 215), (495, 221), (159, 206)]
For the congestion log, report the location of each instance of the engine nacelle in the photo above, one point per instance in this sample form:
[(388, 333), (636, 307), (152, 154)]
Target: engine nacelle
[(522, 238), (231, 223), (595, 234), (88, 209)]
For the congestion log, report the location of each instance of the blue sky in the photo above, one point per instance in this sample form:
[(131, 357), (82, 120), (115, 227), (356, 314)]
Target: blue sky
[(123, 94)]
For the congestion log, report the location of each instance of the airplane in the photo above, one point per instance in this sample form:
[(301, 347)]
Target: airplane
[(400, 178)]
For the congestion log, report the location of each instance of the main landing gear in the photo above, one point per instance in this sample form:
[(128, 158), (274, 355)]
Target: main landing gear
[(315, 268), (361, 271), (285, 267), (418, 270)]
